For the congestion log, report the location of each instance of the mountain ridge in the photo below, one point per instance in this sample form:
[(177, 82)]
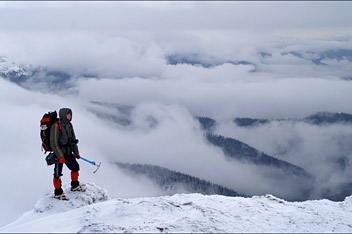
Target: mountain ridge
[(170, 180), (182, 213)]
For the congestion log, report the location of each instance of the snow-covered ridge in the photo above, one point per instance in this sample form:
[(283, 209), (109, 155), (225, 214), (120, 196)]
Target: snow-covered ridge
[(93, 211), (33, 77), (47, 206), (13, 70)]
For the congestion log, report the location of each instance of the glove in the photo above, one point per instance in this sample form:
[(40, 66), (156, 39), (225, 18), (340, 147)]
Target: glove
[(77, 156), (62, 160)]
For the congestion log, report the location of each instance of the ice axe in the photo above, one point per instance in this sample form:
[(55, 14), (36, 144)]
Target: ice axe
[(92, 162)]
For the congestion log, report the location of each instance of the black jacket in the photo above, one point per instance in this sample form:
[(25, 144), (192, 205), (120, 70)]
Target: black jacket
[(62, 136)]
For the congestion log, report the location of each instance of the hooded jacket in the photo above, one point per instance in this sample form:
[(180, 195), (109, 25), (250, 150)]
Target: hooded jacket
[(61, 141)]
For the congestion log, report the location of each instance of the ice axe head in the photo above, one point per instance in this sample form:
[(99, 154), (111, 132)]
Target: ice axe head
[(98, 166), (91, 162)]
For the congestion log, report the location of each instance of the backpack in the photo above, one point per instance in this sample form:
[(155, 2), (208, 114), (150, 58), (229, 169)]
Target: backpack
[(45, 125)]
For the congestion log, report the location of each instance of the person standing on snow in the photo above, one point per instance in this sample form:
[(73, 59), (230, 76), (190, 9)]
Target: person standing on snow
[(64, 143)]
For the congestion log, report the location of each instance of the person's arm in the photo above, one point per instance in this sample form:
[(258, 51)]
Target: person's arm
[(75, 147)]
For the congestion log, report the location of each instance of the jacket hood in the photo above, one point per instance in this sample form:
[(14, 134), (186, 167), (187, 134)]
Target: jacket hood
[(63, 113)]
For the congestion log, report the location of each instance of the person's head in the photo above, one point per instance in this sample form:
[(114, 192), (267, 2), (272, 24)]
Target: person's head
[(69, 115), (65, 114)]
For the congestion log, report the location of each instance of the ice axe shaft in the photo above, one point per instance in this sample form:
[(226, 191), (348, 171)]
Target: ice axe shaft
[(84, 159), (91, 162)]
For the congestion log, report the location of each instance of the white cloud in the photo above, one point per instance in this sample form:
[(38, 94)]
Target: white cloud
[(218, 96), (84, 53)]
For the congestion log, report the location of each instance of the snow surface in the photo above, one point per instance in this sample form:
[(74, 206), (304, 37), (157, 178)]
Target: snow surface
[(94, 211)]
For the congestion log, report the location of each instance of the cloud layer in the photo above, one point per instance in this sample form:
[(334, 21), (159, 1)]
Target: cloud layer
[(324, 151)]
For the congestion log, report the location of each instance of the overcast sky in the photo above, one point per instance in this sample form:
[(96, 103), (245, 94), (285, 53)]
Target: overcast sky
[(160, 16)]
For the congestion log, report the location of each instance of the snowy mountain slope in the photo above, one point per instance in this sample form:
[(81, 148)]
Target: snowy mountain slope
[(94, 212), (34, 77), (13, 71)]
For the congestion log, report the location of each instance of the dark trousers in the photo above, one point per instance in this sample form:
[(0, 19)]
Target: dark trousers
[(70, 162), (73, 165)]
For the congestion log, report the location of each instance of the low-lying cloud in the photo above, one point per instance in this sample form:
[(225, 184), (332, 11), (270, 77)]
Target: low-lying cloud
[(207, 96), (322, 150)]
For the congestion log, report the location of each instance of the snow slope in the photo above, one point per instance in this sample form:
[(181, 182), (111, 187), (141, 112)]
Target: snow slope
[(93, 211)]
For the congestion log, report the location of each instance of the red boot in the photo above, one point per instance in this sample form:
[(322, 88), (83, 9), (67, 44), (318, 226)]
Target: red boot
[(75, 185)]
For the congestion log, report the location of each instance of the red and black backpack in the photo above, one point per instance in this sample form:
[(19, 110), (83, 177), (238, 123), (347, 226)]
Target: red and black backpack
[(45, 125)]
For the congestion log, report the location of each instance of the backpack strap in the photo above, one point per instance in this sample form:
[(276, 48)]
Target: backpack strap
[(45, 146), (59, 124)]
